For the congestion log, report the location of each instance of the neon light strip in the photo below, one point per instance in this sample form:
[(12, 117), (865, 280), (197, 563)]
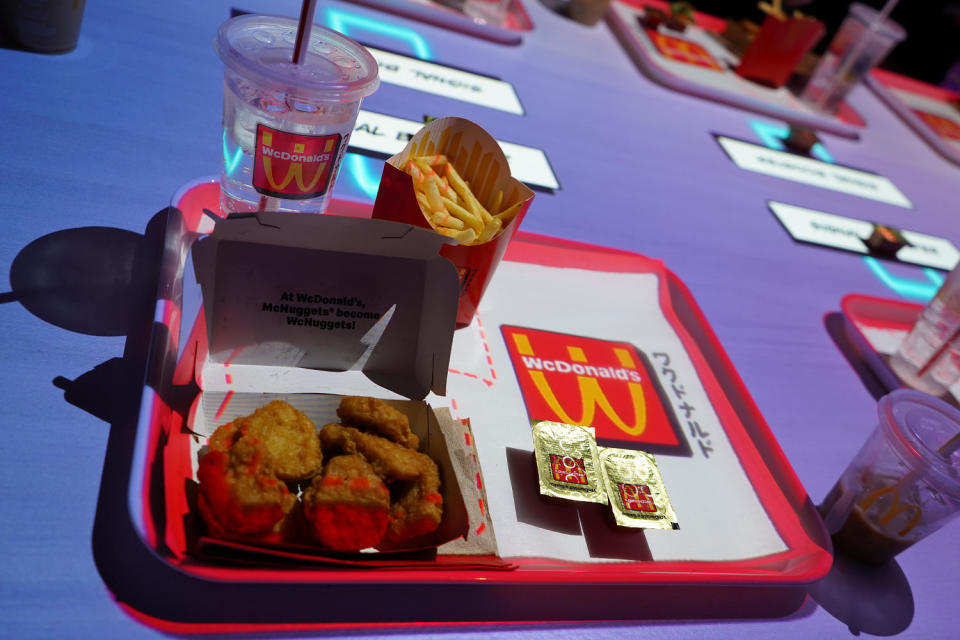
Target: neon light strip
[(343, 22), (231, 160), (773, 135), (922, 291), (363, 176)]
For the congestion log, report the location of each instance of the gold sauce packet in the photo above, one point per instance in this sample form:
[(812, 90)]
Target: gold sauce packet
[(638, 497), (567, 462)]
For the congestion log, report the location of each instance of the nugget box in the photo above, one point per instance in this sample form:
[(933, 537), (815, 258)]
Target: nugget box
[(307, 308)]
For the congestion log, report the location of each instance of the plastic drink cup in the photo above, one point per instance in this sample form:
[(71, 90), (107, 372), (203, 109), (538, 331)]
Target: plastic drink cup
[(588, 12), (778, 48), (903, 484), (926, 358), (286, 126), (861, 43), (45, 26)]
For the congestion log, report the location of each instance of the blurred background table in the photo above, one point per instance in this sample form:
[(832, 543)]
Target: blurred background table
[(97, 140)]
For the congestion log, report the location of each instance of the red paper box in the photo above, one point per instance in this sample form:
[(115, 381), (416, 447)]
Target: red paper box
[(478, 158)]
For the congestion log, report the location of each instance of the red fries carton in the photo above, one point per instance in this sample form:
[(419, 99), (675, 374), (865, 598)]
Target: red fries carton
[(457, 149)]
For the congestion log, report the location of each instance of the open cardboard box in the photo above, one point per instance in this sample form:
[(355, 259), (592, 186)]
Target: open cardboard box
[(308, 308)]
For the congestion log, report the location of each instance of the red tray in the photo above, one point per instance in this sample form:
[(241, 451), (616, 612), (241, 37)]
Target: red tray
[(168, 588), (694, 63), (874, 327)]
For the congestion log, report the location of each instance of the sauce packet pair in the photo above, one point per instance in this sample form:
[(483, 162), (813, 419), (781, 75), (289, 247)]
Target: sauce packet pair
[(571, 466)]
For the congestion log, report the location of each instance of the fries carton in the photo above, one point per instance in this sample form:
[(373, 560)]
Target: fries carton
[(307, 309), (479, 161)]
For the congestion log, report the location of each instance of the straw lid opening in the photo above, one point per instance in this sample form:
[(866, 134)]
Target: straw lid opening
[(259, 47), (921, 425), (867, 15)]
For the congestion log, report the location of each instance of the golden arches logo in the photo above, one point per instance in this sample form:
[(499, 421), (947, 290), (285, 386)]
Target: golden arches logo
[(592, 396), (295, 167), (294, 172), (895, 509)]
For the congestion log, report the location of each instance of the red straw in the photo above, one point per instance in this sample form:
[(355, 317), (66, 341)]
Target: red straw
[(946, 345), (303, 30)]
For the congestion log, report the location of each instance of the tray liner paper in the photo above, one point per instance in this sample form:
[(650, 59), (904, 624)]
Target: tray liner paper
[(720, 515)]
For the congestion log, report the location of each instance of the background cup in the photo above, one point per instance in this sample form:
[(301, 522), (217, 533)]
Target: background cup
[(778, 48), (492, 11), (926, 358), (286, 126), (860, 44), (902, 485), (44, 26), (588, 12)]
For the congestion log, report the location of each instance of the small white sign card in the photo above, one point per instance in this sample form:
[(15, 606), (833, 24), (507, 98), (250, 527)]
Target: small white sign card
[(850, 234), (789, 166), (386, 136)]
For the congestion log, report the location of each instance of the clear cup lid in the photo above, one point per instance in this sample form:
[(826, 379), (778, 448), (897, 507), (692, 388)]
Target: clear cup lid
[(924, 427), (260, 48), (868, 15)]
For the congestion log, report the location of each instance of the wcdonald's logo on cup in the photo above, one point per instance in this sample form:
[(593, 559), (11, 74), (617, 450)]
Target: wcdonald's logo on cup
[(293, 166), (607, 385)]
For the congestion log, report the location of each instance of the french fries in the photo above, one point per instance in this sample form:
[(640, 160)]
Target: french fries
[(451, 207)]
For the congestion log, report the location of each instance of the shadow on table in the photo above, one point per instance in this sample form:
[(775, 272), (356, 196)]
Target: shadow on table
[(593, 522), (836, 326), (872, 599), (875, 600)]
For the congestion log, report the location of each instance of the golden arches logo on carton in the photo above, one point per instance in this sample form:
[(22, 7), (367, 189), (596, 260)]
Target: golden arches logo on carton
[(294, 166), (598, 383), (892, 508)]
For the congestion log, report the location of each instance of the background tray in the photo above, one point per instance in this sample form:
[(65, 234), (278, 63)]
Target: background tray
[(875, 326), (706, 71)]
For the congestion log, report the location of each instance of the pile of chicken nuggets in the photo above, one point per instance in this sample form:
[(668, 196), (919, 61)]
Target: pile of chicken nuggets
[(272, 476)]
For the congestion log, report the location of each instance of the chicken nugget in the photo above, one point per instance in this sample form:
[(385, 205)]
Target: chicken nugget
[(347, 507), (239, 492), (224, 437), (418, 507), (287, 435), (376, 415), (390, 460)]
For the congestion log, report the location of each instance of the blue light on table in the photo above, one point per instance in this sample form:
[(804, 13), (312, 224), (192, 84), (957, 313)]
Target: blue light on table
[(773, 135), (913, 289), (346, 23), (362, 173), (231, 160)]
